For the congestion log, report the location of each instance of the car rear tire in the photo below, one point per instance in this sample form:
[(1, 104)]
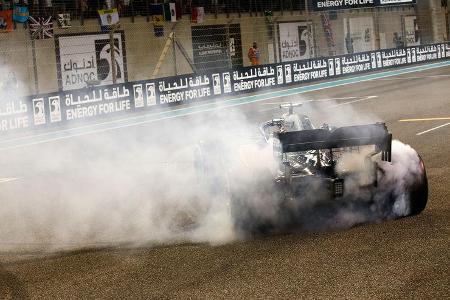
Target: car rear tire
[(418, 191)]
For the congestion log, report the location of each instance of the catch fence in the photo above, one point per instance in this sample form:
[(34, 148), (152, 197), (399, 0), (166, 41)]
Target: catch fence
[(72, 66), (49, 46)]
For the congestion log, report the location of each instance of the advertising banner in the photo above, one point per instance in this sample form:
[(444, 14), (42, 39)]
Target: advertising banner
[(92, 104), (86, 58), (180, 89), (14, 115), (411, 31), (359, 34), (216, 46), (320, 5), (295, 41)]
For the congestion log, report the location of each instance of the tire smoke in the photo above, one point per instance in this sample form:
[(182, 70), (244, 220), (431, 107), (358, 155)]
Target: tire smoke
[(170, 182)]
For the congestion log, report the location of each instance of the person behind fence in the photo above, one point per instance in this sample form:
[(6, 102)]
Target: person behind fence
[(254, 54)]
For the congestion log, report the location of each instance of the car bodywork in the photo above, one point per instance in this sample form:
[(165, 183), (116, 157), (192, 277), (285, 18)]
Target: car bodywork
[(311, 170)]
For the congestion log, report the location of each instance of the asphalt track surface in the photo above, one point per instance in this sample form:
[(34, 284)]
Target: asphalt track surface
[(406, 258)]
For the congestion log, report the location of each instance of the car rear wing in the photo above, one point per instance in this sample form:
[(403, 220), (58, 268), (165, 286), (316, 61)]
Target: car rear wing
[(349, 136)]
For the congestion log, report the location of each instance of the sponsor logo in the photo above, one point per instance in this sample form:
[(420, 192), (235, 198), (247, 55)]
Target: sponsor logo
[(216, 84), (151, 94), (279, 74), (103, 59), (55, 109), (287, 73), (39, 111), (138, 95), (226, 82)]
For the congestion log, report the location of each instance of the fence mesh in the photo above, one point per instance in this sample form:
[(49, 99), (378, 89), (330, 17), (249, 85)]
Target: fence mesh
[(51, 45)]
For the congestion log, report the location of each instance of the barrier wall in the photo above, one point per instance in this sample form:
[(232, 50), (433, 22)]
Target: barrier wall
[(69, 108)]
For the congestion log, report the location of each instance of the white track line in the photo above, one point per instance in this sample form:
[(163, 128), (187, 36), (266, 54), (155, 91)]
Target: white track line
[(425, 119), (354, 101), (434, 128), (358, 99), (415, 77), (314, 100)]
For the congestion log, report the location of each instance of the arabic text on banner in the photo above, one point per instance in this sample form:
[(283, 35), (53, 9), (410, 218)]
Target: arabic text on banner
[(87, 58)]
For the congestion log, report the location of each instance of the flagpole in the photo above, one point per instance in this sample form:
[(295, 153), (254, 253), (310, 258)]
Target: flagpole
[(33, 49), (174, 52), (227, 32)]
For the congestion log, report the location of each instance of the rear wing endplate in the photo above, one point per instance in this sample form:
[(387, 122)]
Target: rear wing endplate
[(349, 136)]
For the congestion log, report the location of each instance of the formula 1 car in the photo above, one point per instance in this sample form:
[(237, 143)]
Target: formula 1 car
[(353, 167)]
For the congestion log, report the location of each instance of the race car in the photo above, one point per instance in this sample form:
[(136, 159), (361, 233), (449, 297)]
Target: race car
[(358, 168)]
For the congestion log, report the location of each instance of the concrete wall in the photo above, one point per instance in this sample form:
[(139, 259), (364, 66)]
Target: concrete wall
[(143, 49), (431, 16)]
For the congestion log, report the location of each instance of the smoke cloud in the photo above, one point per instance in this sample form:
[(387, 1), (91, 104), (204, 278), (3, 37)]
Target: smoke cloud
[(175, 181)]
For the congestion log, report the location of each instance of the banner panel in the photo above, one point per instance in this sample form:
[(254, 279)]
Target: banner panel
[(86, 58), (411, 31), (295, 41), (72, 107), (216, 47), (320, 5)]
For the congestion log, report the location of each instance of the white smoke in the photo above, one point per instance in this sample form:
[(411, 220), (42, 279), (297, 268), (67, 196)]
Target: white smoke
[(404, 171), (391, 198), (165, 182), (139, 185)]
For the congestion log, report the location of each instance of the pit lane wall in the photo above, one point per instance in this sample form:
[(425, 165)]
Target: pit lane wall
[(66, 109)]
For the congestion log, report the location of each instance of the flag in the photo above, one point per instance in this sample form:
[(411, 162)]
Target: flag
[(174, 12), (108, 17), (64, 20), (41, 27), (167, 14), (157, 12), (20, 14), (198, 15), (6, 20), (170, 12)]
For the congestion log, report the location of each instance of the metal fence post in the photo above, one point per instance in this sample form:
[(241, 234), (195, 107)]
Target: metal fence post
[(36, 80), (174, 50), (113, 54)]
